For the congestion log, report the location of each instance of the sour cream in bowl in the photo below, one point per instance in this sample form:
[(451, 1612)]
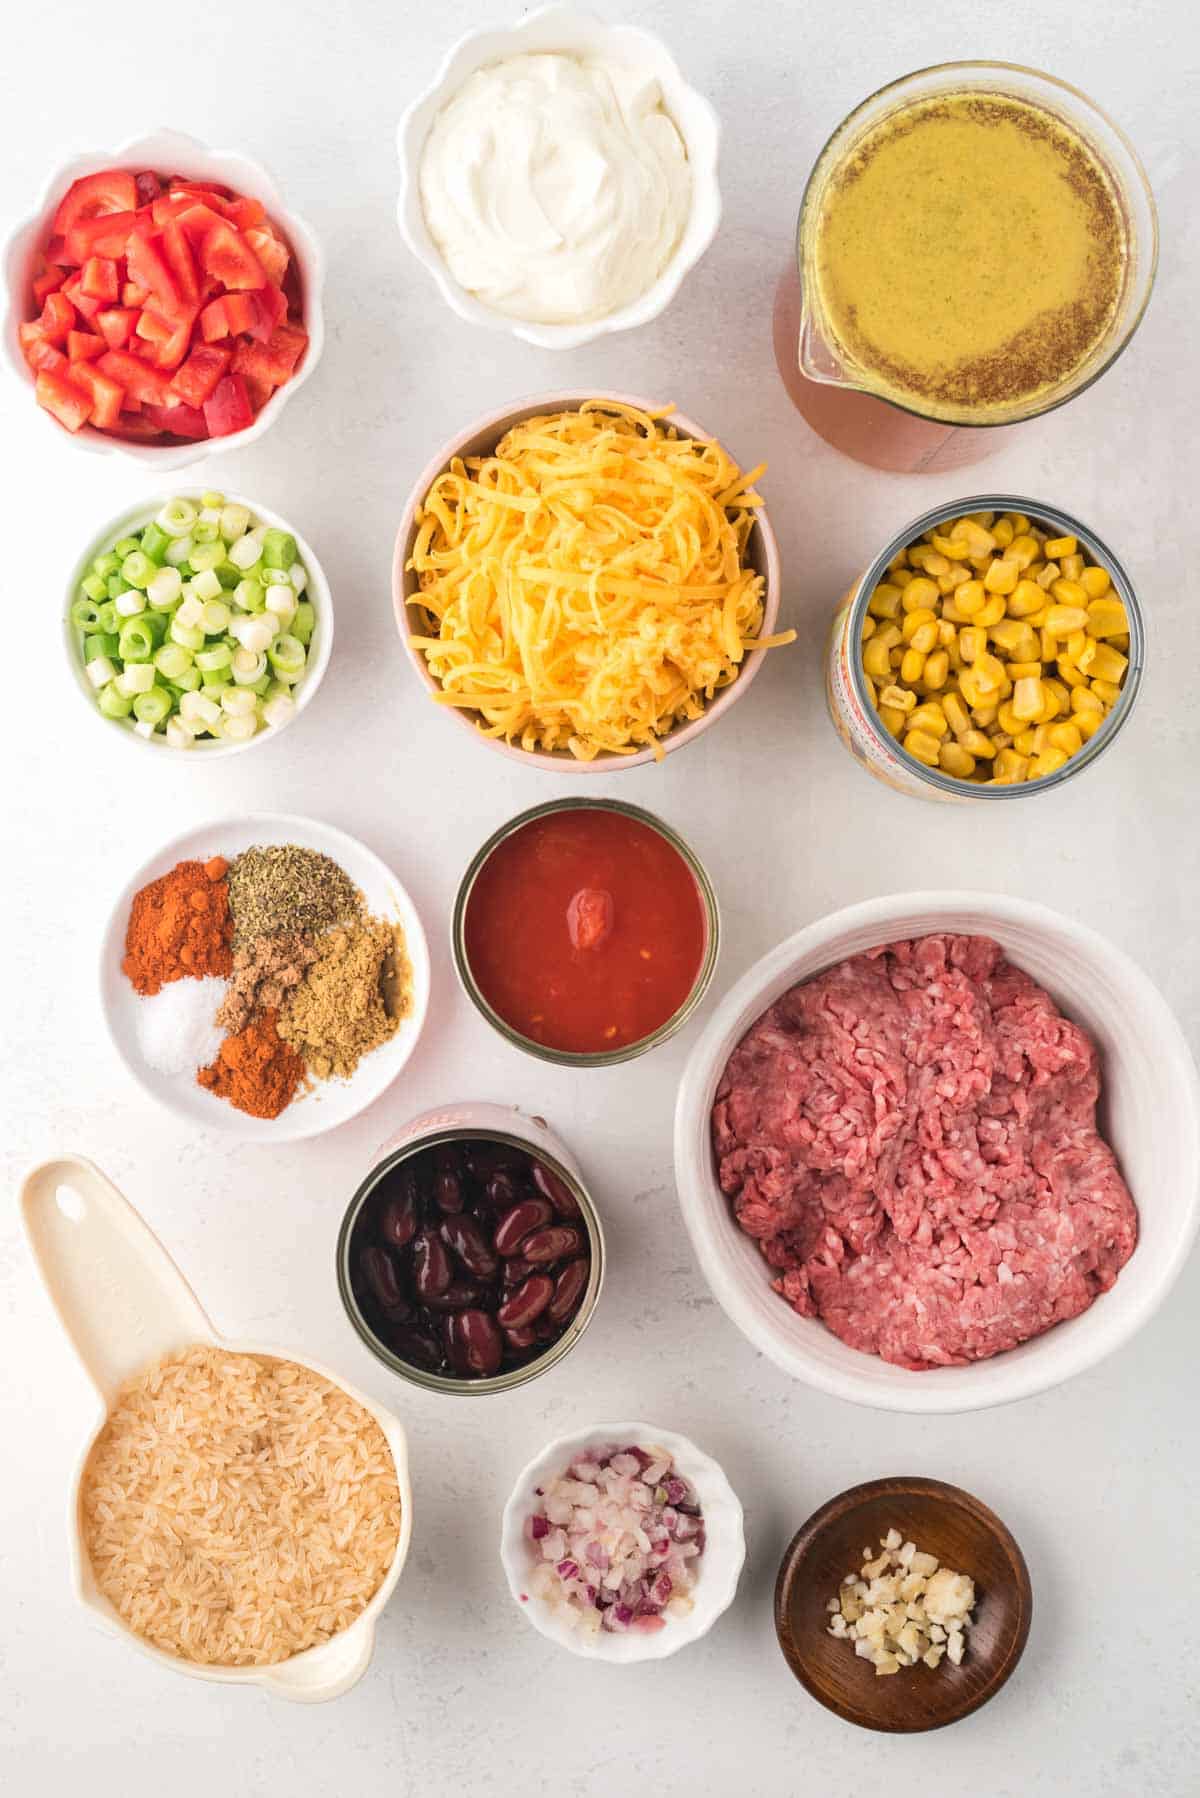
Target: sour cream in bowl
[(559, 179)]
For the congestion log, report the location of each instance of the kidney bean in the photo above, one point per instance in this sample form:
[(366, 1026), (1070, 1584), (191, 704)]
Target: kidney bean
[(466, 1238), (527, 1302), (447, 1179), (484, 1158), (474, 1342), (522, 1339), (516, 1269), (411, 1343), (501, 1187), (516, 1224), (432, 1272), (379, 1272), (401, 1212), (460, 1295), (568, 1290), (554, 1189), (554, 1243)]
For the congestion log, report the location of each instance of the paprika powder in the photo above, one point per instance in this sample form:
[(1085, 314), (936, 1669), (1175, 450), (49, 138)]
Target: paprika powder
[(180, 927), (255, 1070)]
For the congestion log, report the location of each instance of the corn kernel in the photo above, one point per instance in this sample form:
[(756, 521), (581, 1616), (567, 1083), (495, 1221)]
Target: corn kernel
[(1088, 723), (957, 716), (954, 547), (1002, 576), (1107, 664), (1023, 550), (872, 691), (1065, 736), (1048, 762), (1061, 620), (888, 635), (900, 577), (1025, 598), (1074, 646), (868, 629), (1052, 704), (1011, 765), (929, 717), (955, 654), (898, 560), (892, 719), (954, 578), (992, 612), (1072, 567), (1018, 521), (946, 632), (884, 602), (1121, 642), (1024, 671), (876, 660), (924, 747), (935, 563), (989, 672), (1047, 576), (951, 613), (902, 698), (920, 595), (1015, 638), (976, 743), (972, 641), (1007, 719), (970, 597), (1028, 698), (1106, 618), (1084, 700), (925, 637), (1026, 742), (953, 759), (937, 670), (978, 537), (985, 715), (1069, 593), (1106, 691), (1095, 582), (1003, 532), (912, 667), (913, 621), (1059, 546), (1069, 672)]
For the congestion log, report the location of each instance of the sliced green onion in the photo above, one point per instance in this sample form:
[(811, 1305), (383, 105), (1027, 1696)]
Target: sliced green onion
[(94, 587), (152, 707), (214, 617), (216, 677), (177, 517), (172, 659), (105, 644), (137, 678), (165, 588), (241, 729), (138, 569), (248, 667), (178, 550), (235, 522), (126, 547), (228, 575), (279, 549), (106, 564), (286, 656), (205, 531), (116, 586), (188, 681), (130, 603), (155, 543), (212, 498), (207, 584), (298, 575), (277, 577), (207, 555), (114, 703), (106, 618), (136, 641), (303, 623), (246, 552), (190, 638), (238, 702), (219, 656), (250, 594), (85, 614), (99, 671)]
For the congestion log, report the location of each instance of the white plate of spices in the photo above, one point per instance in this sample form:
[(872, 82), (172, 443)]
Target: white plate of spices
[(267, 976)]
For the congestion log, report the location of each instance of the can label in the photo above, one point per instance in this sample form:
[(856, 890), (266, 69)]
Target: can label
[(850, 721)]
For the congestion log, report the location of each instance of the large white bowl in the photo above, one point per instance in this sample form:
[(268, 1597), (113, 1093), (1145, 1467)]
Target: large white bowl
[(130, 523), (329, 1102), (562, 30), (173, 153), (1149, 1112), (718, 1569)]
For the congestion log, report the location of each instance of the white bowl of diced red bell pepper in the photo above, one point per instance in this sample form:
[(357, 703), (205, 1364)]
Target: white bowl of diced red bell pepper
[(162, 303)]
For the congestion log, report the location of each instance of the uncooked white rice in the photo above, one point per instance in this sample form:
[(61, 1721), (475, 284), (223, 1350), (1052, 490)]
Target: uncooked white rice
[(238, 1509)]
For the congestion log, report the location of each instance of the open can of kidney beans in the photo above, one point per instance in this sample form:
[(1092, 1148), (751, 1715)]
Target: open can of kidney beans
[(858, 723), (471, 1257)]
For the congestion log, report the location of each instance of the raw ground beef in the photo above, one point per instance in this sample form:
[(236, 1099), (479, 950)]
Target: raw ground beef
[(911, 1139)]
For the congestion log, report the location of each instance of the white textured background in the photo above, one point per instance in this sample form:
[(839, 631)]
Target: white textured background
[(1099, 1480)]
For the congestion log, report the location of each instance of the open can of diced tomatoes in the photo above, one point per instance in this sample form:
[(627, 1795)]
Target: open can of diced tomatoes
[(853, 709), (525, 929)]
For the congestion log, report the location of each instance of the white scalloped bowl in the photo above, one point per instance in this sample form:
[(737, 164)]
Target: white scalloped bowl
[(1149, 1112), (560, 29), (178, 154), (718, 1568)]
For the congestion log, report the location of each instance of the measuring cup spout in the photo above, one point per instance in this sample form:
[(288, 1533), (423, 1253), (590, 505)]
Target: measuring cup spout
[(120, 1297)]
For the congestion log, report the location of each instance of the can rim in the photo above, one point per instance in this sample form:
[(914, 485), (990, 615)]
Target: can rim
[(1014, 68), (948, 784), (600, 1057), (514, 1377)]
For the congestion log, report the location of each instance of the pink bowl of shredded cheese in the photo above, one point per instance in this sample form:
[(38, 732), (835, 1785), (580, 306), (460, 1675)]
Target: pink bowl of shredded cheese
[(623, 1542)]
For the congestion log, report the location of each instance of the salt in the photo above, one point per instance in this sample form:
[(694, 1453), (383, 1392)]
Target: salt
[(175, 1029)]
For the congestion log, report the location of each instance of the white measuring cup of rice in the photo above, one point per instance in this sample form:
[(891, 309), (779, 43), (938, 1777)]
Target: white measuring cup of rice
[(123, 1303)]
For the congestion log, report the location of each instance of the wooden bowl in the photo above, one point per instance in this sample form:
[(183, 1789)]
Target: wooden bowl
[(943, 1521)]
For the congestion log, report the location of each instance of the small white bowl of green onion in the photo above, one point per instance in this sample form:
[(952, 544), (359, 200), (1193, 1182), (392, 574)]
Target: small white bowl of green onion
[(199, 622)]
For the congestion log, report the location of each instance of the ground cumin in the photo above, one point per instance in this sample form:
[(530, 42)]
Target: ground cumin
[(180, 925), (255, 1069), (350, 1000)]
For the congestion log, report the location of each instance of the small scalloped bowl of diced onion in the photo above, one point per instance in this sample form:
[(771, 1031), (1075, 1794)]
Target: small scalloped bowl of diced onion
[(623, 1542), (198, 621)]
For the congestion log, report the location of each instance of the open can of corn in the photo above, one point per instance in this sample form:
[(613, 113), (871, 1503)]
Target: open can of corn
[(993, 648)]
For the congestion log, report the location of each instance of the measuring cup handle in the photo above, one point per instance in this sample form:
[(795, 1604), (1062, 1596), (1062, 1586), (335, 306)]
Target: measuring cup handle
[(118, 1294), (325, 1672)]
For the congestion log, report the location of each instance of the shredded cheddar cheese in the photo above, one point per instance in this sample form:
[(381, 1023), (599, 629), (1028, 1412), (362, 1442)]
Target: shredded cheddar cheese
[(584, 587)]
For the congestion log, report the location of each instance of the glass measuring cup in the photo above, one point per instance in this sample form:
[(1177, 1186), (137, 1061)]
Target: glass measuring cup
[(845, 402)]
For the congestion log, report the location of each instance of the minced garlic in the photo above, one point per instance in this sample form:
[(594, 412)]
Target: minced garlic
[(901, 1607)]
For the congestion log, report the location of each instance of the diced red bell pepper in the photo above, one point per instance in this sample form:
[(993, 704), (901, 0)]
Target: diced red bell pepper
[(153, 326), (84, 346), (211, 193), (73, 290), (136, 429), (197, 219), (66, 402), (133, 295), (180, 421), (104, 236), (228, 316), (195, 380), (181, 262), (39, 352), (138, 378), (171, 352), (243, 212), (117, 325), (228, 409), (105, 393), (214, 321), (274, 361), (147, 265), (58, 317), (56, 251), (48, 282), (271, 309), (271, 251), (111, 190), (148, 187), (259, 392), (99, 279), (225, 254)]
